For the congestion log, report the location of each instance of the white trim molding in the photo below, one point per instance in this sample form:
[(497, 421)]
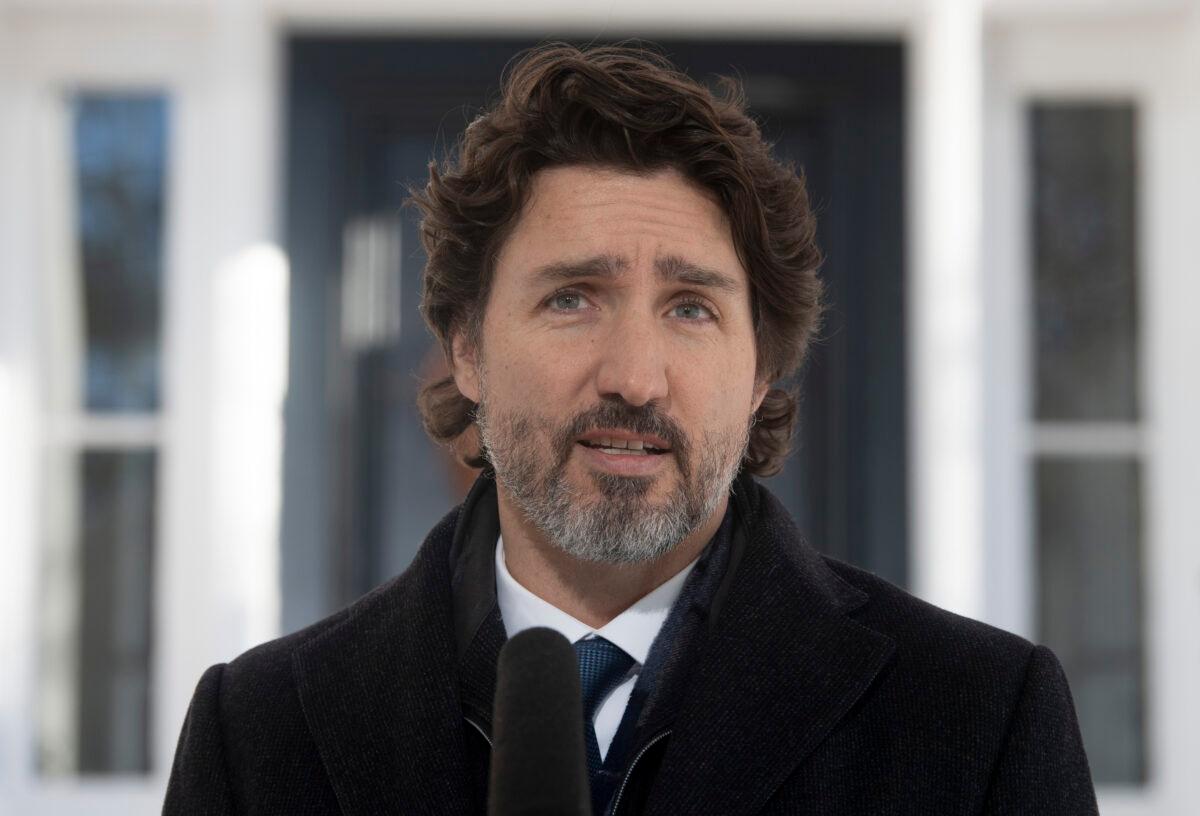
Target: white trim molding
[(945, 306)]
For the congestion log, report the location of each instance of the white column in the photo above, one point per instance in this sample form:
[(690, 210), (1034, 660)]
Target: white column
[(18, 431), (1170, 130), (248, 328), (945, 306), (228, 344)]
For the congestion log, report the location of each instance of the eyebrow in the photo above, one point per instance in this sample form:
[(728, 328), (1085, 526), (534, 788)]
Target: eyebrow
[(669, 268), (601, 266), (674, 268)]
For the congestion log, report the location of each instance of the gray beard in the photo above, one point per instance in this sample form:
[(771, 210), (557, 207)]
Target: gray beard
[(621, 525)]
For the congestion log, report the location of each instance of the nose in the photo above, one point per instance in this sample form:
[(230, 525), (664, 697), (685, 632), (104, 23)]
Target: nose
[(633, 364)]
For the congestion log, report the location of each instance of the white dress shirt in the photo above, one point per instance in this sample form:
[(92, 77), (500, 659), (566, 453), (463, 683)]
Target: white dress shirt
[(633, 630)]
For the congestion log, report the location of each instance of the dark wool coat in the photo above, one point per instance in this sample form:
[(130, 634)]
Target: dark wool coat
[(818, 689)]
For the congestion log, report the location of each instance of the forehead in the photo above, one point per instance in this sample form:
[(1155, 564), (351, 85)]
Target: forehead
[(579, 212)]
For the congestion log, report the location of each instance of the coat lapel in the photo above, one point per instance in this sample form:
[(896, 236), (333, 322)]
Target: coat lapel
[(379, 693), (783, 664)]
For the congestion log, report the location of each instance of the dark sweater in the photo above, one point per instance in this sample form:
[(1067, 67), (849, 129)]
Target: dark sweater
[(815, 687)]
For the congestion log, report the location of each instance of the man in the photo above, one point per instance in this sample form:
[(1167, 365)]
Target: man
[(618, 272)]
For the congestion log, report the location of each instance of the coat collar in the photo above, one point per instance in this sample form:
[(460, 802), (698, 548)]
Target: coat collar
[(783, 664)]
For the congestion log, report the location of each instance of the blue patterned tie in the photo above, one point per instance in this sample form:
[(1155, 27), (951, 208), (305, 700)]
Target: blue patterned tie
[(602, 667)]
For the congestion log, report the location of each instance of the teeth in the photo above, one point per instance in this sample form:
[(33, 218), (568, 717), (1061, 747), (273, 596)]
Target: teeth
[(610, 445)]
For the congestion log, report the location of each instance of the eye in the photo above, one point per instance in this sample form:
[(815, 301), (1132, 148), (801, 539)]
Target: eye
[(692, 310), (566, 301)]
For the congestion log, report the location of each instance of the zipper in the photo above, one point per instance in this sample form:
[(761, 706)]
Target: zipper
[(628, 774), (479, 728), (617, 801)]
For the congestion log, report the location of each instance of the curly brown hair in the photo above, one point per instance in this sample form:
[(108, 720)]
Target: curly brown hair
[(627, 108)]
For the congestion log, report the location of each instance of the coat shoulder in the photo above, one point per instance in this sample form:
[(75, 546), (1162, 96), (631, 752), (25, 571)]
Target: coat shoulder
[(988, 705), (263, 671), (262, 721), (247, 725), (940, 646), (933, 646)]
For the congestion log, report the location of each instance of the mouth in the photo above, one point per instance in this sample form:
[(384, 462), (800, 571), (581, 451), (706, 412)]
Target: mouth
[(623, 443)]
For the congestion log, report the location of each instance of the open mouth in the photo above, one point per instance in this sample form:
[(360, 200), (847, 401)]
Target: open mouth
[(623, 447)]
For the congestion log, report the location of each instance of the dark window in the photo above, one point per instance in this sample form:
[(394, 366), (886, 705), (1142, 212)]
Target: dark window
[(116, 549), (1088, 506), (120, 157), (98, 547), (1085, 268), (1089, 559)]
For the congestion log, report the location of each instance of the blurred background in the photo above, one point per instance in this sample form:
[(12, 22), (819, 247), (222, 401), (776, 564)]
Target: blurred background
[(210, 342)]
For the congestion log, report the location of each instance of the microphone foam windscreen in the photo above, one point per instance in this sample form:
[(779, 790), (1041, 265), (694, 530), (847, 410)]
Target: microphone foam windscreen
[(538, 764)]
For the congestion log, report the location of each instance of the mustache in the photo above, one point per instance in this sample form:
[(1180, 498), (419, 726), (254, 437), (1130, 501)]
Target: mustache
[(648, 420)]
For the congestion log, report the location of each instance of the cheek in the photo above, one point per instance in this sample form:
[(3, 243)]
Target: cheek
[(716, 404), (532, 373), (724, 378)]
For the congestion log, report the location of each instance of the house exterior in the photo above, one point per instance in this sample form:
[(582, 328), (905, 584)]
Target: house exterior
[(174, 478)]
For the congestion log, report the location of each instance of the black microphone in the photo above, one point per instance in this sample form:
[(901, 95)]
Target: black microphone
[(538, 760)]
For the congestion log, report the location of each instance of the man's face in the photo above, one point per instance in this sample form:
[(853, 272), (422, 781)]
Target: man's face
[(615, 373)]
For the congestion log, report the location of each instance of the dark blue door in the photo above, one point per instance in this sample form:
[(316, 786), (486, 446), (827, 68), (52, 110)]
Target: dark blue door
[(362, 482)]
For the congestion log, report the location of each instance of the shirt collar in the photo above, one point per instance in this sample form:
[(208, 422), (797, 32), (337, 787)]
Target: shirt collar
[(633, 630)]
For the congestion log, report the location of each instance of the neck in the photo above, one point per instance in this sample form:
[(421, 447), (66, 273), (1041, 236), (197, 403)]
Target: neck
[(593, 593)]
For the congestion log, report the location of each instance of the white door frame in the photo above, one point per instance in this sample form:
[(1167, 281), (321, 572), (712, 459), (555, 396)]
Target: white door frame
[(215, 589), (1152, 62)]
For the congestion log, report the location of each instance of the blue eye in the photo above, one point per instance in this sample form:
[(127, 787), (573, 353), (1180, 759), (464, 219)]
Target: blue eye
[(567, 301), (690, 310)]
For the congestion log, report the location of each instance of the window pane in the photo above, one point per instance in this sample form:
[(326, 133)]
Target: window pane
[(1085, 251), (1089, 557), (120, 146), (96, 663)]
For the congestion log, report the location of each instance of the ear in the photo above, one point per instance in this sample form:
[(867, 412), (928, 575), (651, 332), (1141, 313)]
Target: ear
[(760, 393), (464, 366)]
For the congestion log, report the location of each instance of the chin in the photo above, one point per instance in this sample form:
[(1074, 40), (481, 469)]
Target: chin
[(618, 487)]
